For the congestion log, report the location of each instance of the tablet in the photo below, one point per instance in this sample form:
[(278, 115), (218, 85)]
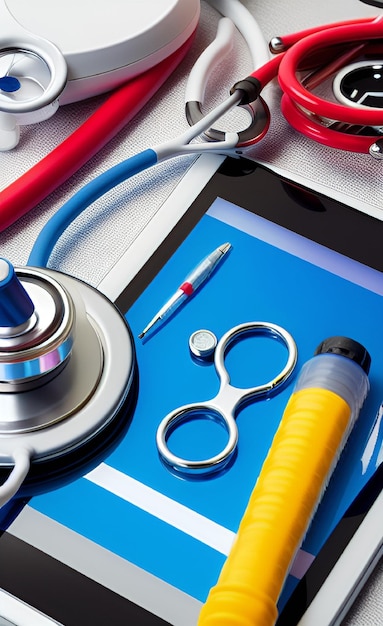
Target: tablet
[(134, 541)]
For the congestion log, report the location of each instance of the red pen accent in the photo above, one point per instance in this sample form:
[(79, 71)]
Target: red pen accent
[(191, 283), (187, 288)]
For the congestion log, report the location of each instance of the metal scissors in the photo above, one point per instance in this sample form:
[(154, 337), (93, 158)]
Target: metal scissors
[(225, 405)]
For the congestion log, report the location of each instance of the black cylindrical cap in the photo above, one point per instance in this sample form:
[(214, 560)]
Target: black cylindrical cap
[(346, 347), (251, 88)]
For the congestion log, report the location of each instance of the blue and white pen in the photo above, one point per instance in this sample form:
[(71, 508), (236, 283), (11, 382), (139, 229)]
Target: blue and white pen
[(194, 280)]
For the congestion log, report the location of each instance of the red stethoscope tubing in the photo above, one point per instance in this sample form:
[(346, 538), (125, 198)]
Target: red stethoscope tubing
[(270, 70), (296, 100), (58, 166), (53, 170)]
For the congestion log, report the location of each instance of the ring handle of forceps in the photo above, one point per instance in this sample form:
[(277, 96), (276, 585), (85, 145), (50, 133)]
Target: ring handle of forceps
[(257, 129), (228, 392)]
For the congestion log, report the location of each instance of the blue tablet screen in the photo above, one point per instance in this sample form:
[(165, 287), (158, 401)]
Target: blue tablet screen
[(181, 529)]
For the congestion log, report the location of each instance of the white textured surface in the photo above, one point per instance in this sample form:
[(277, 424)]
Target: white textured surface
[(99, 237), (107, 228)]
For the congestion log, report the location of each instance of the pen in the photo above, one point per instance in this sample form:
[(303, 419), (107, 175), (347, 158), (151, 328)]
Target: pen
[(194, 280), (317, 420)]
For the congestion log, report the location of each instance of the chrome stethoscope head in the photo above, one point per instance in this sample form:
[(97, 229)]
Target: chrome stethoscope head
[(68, 377), (33, 74)]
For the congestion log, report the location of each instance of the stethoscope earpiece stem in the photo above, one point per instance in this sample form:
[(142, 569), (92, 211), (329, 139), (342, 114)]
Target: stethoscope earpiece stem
[(16, 307), (37, 324), (9, 132)]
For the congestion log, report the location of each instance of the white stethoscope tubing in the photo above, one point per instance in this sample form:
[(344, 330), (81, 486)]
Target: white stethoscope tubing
[(22, 463), (208, 60), (51, 232), (181, 144), (20, 39), (236, 15), (247, 26)]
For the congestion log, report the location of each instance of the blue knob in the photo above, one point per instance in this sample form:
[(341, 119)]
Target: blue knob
[(16, 307)]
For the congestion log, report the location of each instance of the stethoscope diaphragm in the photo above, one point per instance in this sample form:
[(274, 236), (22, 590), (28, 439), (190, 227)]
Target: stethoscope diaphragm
[(25, 78), (33, 74)]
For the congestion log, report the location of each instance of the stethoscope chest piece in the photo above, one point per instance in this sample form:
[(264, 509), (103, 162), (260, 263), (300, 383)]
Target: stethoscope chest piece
[(33, 74), (25, 83), (67, 375)]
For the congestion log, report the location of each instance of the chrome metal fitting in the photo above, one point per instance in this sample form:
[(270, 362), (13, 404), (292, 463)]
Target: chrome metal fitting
[(37, 349)]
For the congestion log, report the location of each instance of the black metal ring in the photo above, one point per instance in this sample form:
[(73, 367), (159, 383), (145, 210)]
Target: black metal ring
[(254, 132)]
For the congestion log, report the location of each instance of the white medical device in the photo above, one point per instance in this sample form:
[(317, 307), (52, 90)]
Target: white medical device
[(65, 52)]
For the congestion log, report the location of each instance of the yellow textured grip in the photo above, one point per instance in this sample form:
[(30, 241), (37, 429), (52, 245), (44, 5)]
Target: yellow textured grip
[(294, 474)]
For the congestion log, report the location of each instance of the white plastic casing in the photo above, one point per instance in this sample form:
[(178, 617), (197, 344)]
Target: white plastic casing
[(108, 41)]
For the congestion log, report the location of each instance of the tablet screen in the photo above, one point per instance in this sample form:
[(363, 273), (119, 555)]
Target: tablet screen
[(302, 261)]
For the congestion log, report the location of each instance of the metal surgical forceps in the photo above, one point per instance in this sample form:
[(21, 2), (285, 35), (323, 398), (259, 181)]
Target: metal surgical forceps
[(224, 407)]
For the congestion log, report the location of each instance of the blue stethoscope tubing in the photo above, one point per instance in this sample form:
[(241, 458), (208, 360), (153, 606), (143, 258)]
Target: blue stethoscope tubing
[(248, 26), (231, 143), (60, 221), (121, 172)]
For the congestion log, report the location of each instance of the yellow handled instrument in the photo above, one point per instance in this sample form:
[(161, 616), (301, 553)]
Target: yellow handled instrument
[(329, 393)]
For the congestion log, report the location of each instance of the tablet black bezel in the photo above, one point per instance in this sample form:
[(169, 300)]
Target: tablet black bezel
[(324, 220), (259, 189)]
